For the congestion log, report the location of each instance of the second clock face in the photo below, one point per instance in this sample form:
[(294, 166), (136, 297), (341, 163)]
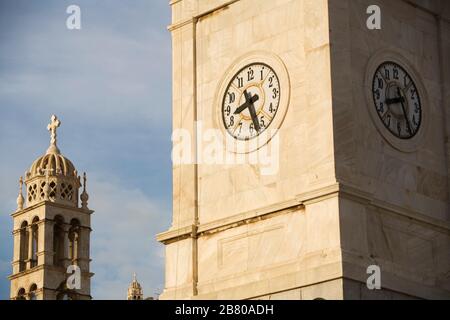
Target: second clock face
[(397, 100), (251, 101)]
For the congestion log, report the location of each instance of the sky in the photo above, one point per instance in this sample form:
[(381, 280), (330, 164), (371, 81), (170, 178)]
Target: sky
[(110, 85)]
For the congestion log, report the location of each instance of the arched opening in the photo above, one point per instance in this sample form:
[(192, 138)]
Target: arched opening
[(74, 236), (32, 293), (58, 241), (34, 242), (23, 244), (21, 294)]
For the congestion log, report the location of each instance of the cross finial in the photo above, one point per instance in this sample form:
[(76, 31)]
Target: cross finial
[(84, 181), (53, 125), (84, 195), (20, 199)]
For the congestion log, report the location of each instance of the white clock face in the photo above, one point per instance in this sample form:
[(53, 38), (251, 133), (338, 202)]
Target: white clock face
[(251, 101), (397, 101)]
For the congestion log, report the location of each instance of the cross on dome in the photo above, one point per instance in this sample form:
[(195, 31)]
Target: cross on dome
[(52, 126)]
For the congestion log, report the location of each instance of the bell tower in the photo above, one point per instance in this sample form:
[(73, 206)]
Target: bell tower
[(135, 291), (51, 230)]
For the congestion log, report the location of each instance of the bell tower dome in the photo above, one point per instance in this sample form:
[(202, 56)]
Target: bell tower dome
[(52, 177), (52, 231), (135, 291)]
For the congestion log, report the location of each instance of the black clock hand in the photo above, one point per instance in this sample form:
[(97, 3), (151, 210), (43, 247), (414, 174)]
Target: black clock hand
[(394, 100), (404, 110), (241, 108), (248, 100), (252, 110)]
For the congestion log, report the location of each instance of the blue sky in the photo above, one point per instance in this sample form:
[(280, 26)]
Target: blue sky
[(110, 84)]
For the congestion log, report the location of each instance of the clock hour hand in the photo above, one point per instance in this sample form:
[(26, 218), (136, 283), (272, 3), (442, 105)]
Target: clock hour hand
[(395, 100), (241, 108)]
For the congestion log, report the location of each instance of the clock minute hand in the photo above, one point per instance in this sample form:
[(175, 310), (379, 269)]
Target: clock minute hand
[(404, 110), (251, 108)]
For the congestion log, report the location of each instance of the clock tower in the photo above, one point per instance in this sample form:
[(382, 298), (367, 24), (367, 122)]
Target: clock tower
[(356, 124)]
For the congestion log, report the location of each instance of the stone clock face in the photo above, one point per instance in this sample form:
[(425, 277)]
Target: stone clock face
[(396, 100), (251, 101)]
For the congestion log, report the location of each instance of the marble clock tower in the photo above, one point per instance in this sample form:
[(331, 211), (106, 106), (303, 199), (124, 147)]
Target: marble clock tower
[(361, 122)]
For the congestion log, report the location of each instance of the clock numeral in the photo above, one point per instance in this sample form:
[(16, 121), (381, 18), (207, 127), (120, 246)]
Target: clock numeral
[(396, 75), (416, 108), (228, 111), (271, 108), (405, 81), (387, 74), (232, 97), (399, 128), (252, 129), (275, 93), (262, 123), (231, 121), (271, 82), (377, 94), (387, 120), (262, 74), (380, 108), (380, 83), (250, 74), (240, 82)]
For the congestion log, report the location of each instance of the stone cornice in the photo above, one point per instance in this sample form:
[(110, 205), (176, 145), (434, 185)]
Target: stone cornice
[(367, 198), (47, 220), (418, 6), (43, 267), (195, 18), (230, 222), (50, 204), (303, 200)]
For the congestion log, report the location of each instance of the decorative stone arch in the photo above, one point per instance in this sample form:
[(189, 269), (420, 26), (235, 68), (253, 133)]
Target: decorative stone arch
[(21, 294), (32, 292)]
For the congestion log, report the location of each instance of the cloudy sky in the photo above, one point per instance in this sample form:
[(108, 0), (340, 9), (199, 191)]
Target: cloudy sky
[(110, 84)]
